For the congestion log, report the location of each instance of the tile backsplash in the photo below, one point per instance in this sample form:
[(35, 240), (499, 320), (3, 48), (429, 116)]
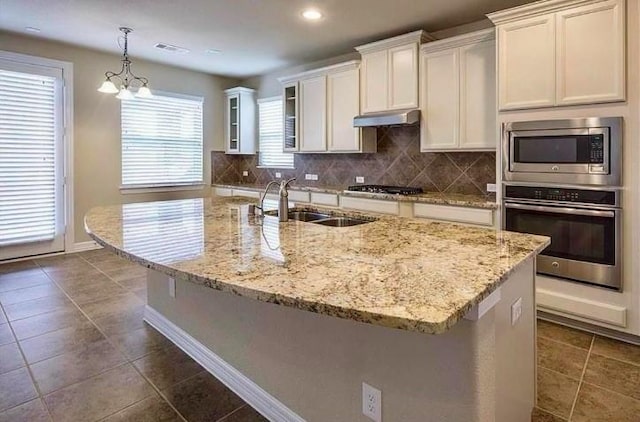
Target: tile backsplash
[(398, 162)]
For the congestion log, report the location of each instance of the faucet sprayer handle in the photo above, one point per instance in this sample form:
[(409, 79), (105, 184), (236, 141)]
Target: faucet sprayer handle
[(289, 181)]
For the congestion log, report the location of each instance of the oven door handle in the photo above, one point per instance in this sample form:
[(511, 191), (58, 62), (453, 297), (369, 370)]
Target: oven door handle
[(561, 210)]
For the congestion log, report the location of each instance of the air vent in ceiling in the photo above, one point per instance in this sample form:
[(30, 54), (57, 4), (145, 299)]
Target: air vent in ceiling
[(171, 48)]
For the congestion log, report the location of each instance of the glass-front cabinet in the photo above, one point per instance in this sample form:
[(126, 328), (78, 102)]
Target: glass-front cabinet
[(240, 121), (290, 113)]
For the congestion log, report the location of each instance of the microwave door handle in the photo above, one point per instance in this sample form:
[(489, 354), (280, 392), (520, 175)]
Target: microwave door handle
[(561, 210)]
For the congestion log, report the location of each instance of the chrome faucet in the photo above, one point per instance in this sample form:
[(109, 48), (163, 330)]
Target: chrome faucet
[(283, 199)]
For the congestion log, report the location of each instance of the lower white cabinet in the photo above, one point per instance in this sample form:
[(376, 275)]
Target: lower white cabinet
[(478, 216), (374, 205), (458, 98)]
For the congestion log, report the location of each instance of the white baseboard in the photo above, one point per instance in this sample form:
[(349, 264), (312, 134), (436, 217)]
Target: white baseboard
[(249, 391), (84, 246)]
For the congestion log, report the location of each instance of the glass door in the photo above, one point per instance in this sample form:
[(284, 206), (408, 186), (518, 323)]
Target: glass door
[(32, 218)]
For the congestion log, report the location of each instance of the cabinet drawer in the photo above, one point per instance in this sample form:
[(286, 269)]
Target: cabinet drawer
[(477, 216), (222, 192), (329, 199), (247, 193), (298, 196), (384, 207)]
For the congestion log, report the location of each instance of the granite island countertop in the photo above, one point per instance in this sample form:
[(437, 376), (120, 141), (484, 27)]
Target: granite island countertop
[(439, 198), (395, 272)]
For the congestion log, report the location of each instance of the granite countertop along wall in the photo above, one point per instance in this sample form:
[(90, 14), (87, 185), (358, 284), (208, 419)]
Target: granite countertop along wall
[(394, 272)]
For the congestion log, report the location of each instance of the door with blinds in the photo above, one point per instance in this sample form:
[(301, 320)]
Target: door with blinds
[(31, 160)]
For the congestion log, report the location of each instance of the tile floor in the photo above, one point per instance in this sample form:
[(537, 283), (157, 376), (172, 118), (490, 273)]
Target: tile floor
[(73, 347)]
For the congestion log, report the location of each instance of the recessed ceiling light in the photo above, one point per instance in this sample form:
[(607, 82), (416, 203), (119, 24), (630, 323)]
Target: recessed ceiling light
[(212, 51), (32, 29), (311, 14)]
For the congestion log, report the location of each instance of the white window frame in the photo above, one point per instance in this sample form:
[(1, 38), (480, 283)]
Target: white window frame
[(67, 99), (267, 166), (168, 187)]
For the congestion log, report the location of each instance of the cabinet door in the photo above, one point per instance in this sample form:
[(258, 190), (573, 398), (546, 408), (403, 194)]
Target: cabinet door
[(313, 114), (403, 77), (344, 105), (526, 63), (478, 118), (232, 123), (375, 80), (590, 53), (290, 114), (440, 100)]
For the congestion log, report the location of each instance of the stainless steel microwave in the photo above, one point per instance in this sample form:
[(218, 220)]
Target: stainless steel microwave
[(576, 151)]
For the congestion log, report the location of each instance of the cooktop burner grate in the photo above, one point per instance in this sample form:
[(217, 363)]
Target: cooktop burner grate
[(394, 190)]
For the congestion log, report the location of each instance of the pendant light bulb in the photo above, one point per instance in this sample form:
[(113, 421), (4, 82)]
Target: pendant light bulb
[(108, 87), (125, 94), (144, 92)]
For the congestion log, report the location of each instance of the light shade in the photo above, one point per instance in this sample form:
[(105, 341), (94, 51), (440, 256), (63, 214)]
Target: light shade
[(125, 94), (108, 87), (144, 92), (311, 14)]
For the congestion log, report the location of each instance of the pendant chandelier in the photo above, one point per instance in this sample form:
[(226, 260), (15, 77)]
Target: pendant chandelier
[(125, 77)]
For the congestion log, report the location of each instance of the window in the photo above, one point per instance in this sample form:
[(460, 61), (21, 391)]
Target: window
[(270, 135), (162, 141)]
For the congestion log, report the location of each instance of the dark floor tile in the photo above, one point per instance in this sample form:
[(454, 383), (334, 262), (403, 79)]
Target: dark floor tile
[(248, 414), (134, 283), (3, 317), (203, 398), (17, 388), (115, 264), (95, 254), (60, 341), (60, 261), (100, 396), (82, 363), (128, 275), (45, 323), (539, 415), (167, 367), (137, 343), (141, 293), (74, 284), (120, 323), (33, 411), (6, 336), (60, 275), (95, 291), (556, 392), (612, 374), (12, 267), (23, 279), (37, 307), (560, 357), (597, 405), (563, 334), (153, 409), (110, 306), (10, 358), (616, 349), (36, 292)]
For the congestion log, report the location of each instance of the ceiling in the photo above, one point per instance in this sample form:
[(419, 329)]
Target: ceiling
[(254, 36)]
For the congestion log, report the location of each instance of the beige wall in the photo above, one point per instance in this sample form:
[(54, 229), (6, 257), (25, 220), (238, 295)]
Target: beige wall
[(97, 170)]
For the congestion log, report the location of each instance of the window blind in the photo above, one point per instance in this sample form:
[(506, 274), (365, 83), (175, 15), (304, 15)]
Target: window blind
[(27, 158), (161, 141), (270, 135)]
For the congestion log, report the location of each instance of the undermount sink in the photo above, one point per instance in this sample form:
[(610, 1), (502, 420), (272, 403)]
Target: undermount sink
[(321, 218)]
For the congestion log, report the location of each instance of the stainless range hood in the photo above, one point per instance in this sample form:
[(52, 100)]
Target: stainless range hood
[(388, 118)]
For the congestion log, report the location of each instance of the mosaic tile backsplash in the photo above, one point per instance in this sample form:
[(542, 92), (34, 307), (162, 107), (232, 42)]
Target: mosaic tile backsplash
[(398, 162)]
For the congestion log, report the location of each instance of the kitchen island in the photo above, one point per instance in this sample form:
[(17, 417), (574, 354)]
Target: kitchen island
[(295, 316)]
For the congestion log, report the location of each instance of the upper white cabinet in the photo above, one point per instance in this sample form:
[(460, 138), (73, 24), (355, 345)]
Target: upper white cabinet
[(458, 99), (561, 53), (240, 121), (390, 73), (327, 100)]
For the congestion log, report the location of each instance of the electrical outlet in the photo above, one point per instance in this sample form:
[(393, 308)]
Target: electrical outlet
[(172, 287), (491, 187), (245, 173), (371, 402), (278, 175), (359, 179), (516, 311), (310, 177)]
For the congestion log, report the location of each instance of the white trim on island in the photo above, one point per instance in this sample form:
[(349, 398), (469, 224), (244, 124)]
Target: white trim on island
[(250, 392)]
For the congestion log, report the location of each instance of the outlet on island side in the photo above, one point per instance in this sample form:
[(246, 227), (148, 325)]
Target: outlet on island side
[(371, 402), (172, 287), (516, 311)]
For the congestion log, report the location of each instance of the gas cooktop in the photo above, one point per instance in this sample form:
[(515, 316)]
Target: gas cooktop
[(394, 190)]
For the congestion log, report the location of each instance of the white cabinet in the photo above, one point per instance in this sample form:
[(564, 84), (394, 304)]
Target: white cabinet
[(390, 73), (240, 121), (313, 114), (343, 106), (321, 118), (561, 53), (458, 93)]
